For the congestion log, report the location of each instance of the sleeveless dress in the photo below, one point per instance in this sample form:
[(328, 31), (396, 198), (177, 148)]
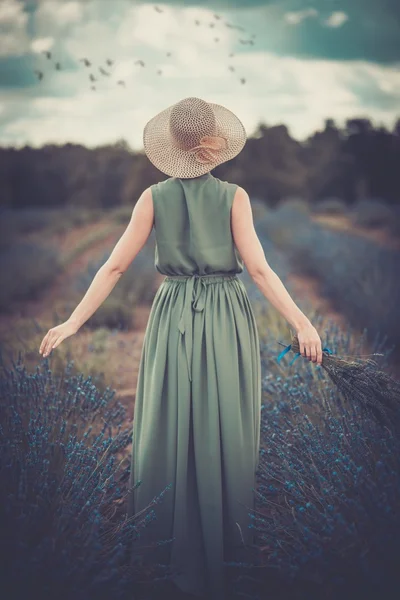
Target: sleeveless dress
[(198, 400)]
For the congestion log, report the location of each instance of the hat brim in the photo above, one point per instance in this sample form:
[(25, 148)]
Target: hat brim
[(174, 161)]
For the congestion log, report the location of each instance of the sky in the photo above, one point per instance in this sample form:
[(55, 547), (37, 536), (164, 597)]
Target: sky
[(302, 62)]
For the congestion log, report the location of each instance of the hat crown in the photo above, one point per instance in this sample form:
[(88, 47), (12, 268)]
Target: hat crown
[(190, 120)]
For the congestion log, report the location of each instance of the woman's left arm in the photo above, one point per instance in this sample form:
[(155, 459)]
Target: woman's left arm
[(127, 248)]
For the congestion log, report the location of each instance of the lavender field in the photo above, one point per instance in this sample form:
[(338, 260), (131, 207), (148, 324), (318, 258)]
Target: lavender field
[(328, 488)]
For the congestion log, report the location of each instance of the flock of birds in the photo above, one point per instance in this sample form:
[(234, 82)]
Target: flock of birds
[(110, 62)]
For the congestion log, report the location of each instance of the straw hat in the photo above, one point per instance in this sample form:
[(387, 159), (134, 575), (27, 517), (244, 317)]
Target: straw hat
[(192, 137)]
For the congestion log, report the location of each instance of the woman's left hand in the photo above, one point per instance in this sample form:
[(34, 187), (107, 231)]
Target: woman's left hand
[(56, 335)]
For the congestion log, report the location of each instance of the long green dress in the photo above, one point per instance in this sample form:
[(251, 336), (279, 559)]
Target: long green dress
[(198, 399)]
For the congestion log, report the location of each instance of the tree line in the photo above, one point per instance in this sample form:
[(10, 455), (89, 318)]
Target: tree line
[(354, 162)]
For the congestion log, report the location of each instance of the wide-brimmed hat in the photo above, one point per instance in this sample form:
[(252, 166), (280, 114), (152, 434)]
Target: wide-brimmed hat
[(192, 137)]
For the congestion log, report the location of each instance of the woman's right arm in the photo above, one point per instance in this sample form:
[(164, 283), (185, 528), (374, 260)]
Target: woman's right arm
[(267, 281)]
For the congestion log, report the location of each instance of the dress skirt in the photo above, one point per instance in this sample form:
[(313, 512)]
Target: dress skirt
[(197, 427)]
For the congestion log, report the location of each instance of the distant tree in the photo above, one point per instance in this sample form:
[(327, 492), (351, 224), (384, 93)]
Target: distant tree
[(358, 126), (122, 144), (330, 124)]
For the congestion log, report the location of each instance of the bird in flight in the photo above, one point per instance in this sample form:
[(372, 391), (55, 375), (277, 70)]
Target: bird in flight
[(216, 16), (39, 75), (159, 10), (47, 53), (85, 61), (197, 22), (235, 26), (103, 72), (92, 78), (121, 82), (109, 62), (247, 42), (168, 53), (232, 68), (242, 80), (212, 24), (58, 66), (139, 62)]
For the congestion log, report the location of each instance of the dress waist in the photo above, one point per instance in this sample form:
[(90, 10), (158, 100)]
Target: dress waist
[(195, 300), (215, 277)]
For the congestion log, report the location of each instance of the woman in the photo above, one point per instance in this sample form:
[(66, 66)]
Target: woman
[(197, 409)]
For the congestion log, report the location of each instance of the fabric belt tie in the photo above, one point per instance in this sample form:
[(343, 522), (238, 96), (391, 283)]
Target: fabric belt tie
[(194, 284)]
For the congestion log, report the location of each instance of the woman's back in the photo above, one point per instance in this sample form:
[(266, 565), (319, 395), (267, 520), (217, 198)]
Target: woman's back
[(192, 226), (198, 396)]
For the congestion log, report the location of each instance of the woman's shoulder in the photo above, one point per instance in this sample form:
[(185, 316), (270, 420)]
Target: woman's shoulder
[(230, 185), (223, 181), (159, 186)]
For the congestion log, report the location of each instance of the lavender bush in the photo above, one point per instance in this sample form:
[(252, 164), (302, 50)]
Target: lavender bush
[(372, 212), (63, 529), (16, 222), (330, 206), (328, 489), (26, 270)]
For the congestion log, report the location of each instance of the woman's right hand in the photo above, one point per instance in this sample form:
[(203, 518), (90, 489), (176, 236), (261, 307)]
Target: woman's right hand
[(310, 343), (56, 335)]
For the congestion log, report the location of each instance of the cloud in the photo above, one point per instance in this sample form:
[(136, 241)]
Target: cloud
[(336, 19), (12, 12), (59, 15), (286, 81), (377, 86), (14, 39), (297, 92), (41, 44), (294, 18)]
